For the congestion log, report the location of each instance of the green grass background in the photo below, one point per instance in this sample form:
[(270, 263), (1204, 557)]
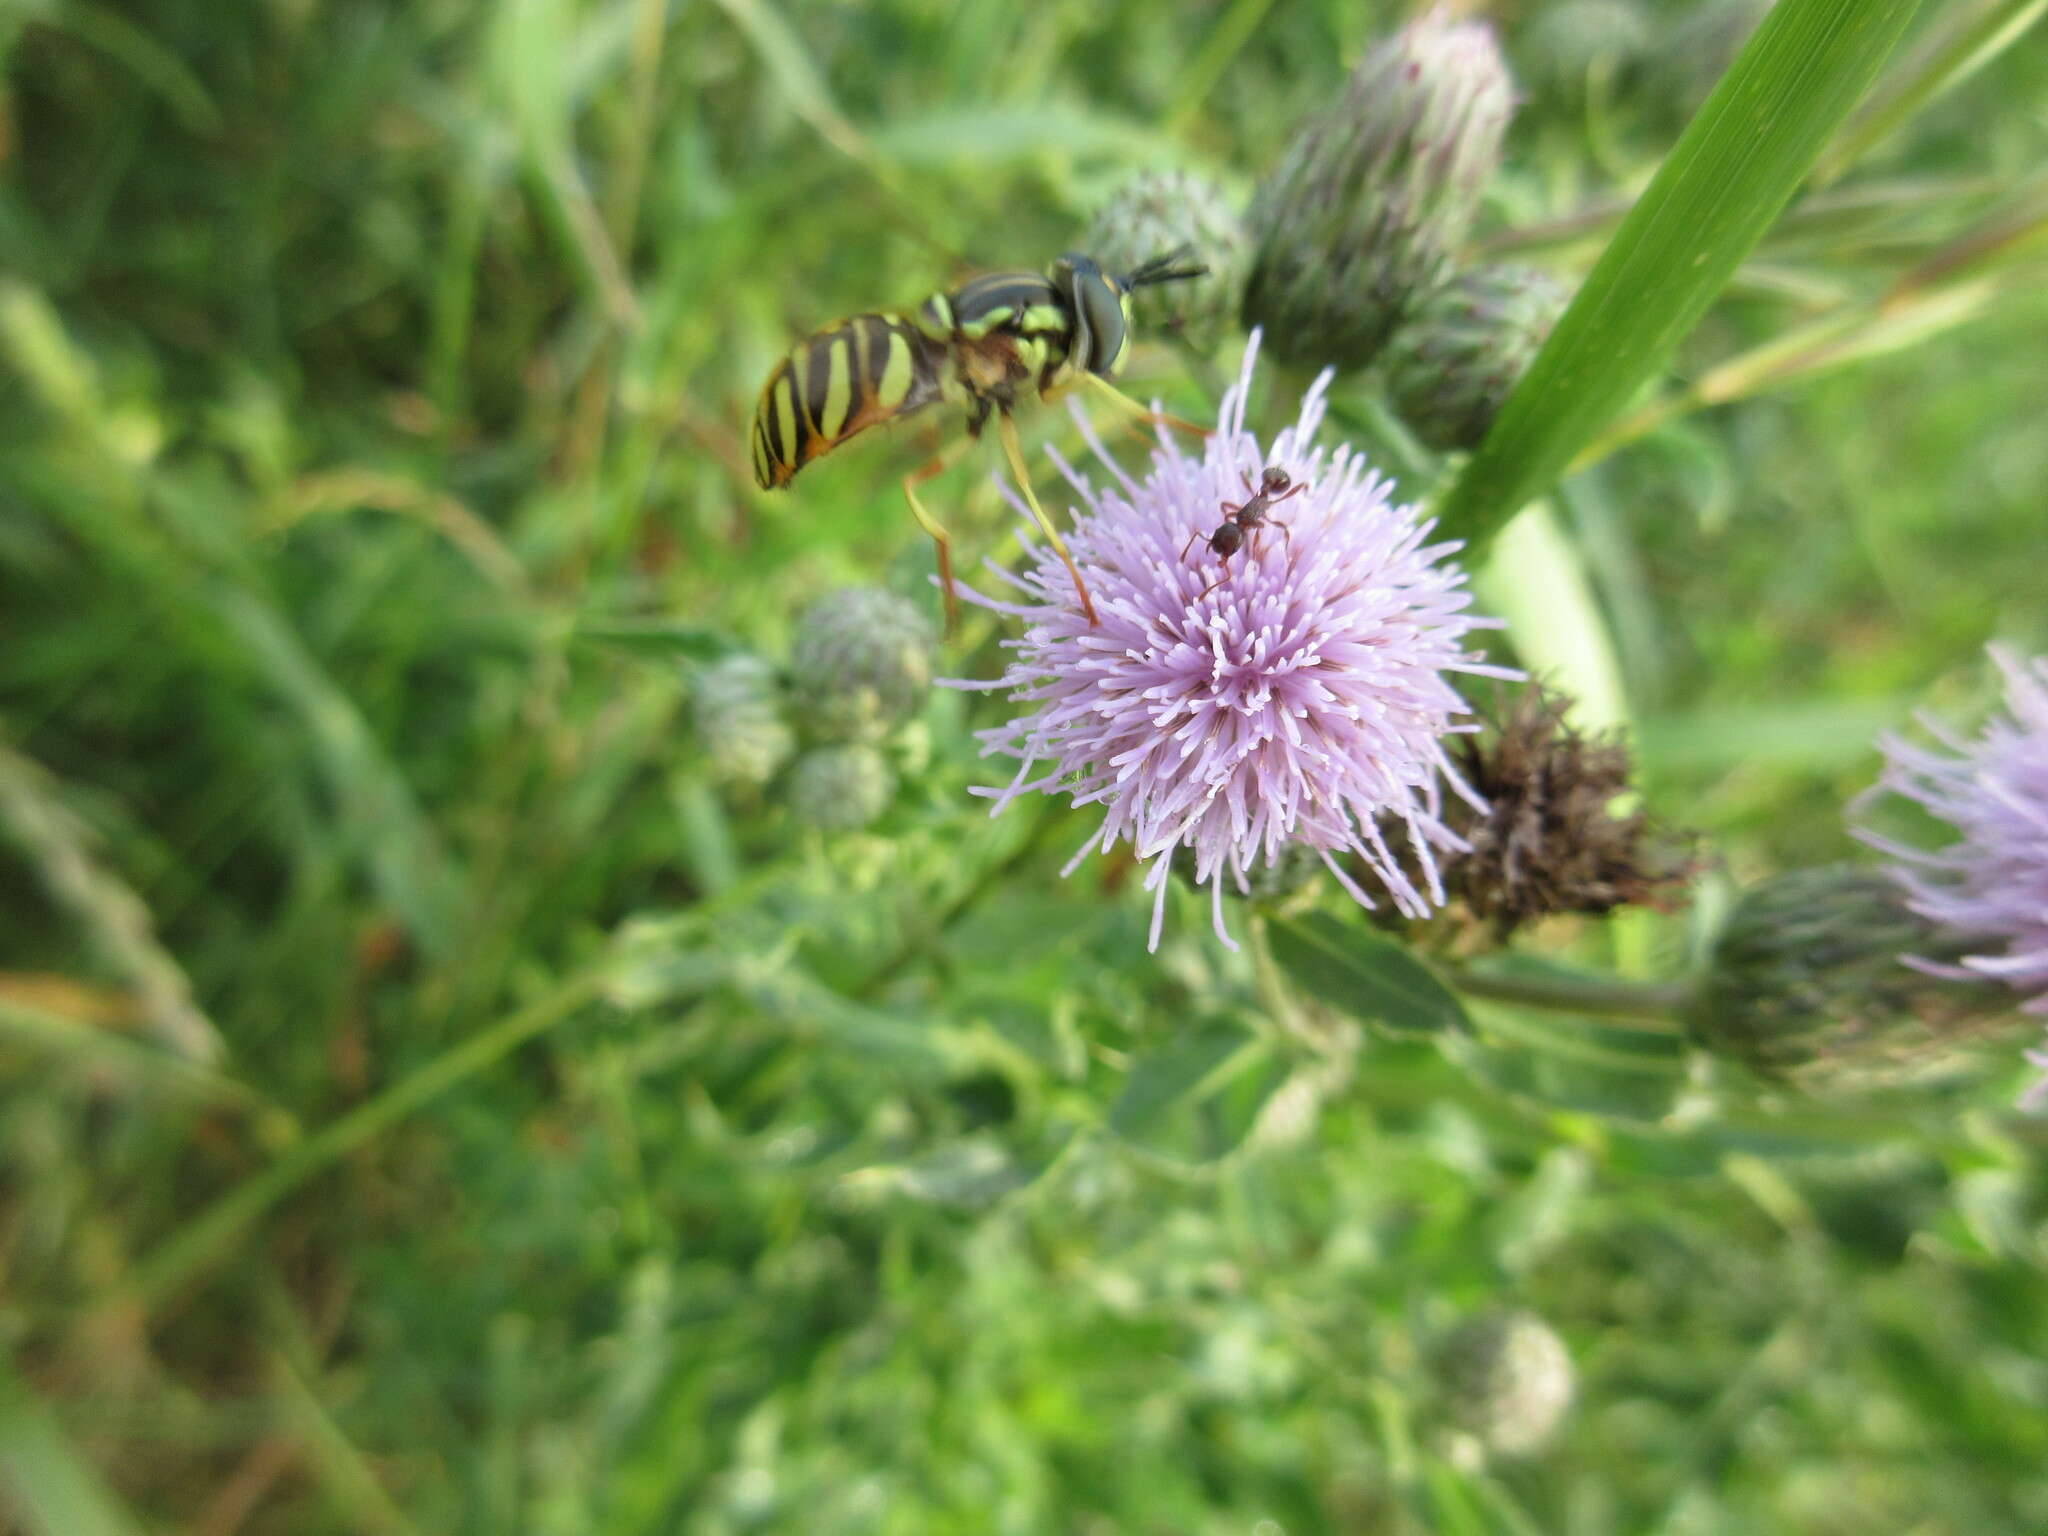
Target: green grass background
[(363, 365)]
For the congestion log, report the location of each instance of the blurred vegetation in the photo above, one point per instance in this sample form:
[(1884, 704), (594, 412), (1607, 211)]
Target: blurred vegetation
[(431, 1102)]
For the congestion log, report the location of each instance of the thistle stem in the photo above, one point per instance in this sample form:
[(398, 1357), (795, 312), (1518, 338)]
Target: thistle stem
[(1658, 1005)]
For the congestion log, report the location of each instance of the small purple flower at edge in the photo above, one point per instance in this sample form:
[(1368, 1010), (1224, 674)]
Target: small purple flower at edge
[(1992, 881), (1303, 700)]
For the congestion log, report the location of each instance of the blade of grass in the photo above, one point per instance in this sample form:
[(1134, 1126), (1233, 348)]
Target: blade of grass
[(342, 1469), (119, 923), (1231, 32), (200, 1241), (155, 68), (1850, 335), (376, 808), (44, 1482), (1960, 44), (97, 1050), (1732, 170)]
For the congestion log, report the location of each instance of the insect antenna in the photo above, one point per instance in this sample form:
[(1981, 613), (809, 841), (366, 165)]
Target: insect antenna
[(1177, 265)]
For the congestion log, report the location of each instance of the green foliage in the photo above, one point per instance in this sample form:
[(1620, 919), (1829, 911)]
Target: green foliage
[(591, 1148), (1724, 183)]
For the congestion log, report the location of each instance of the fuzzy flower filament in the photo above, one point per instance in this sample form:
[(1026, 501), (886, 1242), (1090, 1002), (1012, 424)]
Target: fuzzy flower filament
[(1303, 700), (1991, 883)]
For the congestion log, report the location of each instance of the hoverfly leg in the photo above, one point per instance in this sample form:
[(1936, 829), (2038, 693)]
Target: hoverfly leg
[(937, 465), (1141, 415), (1013, 450)]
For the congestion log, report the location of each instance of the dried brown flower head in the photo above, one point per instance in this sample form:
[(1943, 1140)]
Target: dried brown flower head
[(1550, 840)]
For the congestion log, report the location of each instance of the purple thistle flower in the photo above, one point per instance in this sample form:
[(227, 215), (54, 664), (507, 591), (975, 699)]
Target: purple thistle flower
[(1304, 700), (1992, 881)]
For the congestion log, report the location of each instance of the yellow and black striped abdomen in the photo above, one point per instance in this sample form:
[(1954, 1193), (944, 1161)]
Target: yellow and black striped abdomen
[(845, 378)]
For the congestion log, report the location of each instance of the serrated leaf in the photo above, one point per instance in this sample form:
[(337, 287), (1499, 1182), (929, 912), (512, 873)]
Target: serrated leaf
[(1733, 169), (1372, 979)]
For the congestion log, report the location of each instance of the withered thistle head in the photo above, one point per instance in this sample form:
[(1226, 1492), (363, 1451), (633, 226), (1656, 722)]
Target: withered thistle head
[(1550, 840), (1362, 215)]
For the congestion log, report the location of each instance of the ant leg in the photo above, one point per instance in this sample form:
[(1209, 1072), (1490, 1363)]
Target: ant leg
[(1276, 523), (1143, 415), (1217, 582), (938, 464), (1013, 450)]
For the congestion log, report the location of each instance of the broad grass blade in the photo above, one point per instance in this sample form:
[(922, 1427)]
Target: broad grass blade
[(1734, 168)]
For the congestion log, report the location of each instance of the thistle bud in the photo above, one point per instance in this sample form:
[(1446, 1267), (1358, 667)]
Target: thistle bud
[(1361, 217), (1164, 211), (736, 708), (861, 664), (1811, 983), (1453, 365), (1549, 840), (1506, 1377), (840, 789)]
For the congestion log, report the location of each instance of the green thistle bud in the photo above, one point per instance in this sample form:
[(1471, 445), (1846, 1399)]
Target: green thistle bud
[(861, 664), (1163, 211), (1506, 1377), (1266, 884), (1452, 367), (840, 789), (1361, 217), (736, 708), (1809, 984)]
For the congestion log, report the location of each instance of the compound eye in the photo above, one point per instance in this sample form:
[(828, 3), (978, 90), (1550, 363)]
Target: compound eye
[(1275, 480), (1101, 307)]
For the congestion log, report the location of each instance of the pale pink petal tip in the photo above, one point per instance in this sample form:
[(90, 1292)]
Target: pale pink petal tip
[(1992, 879)]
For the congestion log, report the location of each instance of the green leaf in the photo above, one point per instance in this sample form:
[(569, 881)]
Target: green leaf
[(660, 638), (1731, 172), (1575, 1064), (1178, 1076), (1961, 42), (377, 817), (1364, 975)]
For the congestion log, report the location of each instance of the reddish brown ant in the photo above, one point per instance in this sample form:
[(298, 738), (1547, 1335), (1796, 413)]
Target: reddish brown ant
[(1243, 521)]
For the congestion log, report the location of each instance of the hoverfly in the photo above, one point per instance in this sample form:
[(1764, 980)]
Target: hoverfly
[(981, 346)]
